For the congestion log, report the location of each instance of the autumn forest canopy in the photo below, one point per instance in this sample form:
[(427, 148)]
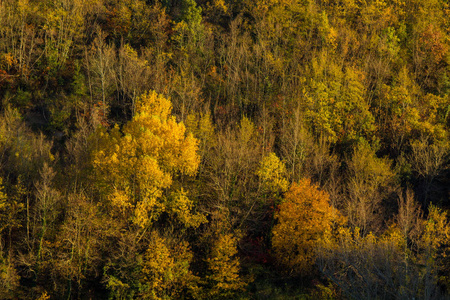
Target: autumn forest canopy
[(224, 149)]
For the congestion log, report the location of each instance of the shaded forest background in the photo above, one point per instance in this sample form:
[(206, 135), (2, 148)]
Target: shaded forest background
[(254, 149)]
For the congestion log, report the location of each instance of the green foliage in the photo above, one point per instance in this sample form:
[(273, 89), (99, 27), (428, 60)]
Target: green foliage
[(336, 108), (190, 12), (22, 99)]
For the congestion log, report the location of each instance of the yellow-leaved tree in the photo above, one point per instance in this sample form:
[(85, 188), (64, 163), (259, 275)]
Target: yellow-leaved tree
[(135, 165), (272, 174), (165, 270), (224, 267), (304, 218)]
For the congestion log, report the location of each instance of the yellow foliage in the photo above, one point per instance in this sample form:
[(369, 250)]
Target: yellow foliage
[(272, 173), (436, 232), (202, 128), (221, 5), (118, 287), (158, 264), (165, 271), (337, 109), (224, 267), (10, 207), (182, 207), (44, 296), (3, 199), (246, 131), (304, 218), (134, 166)]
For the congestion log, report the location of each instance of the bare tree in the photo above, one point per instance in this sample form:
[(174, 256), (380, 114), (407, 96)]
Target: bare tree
[(428, 160), (370, 180)]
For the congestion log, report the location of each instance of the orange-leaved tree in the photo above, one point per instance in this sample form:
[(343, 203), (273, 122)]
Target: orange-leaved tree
[(304, 218)]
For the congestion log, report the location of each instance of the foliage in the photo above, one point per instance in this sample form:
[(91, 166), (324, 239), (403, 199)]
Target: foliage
[(165, 270), (335, 101), (223, 267), (272, 173), (371, 181), (108, 190), (304, 218), (134, 168)]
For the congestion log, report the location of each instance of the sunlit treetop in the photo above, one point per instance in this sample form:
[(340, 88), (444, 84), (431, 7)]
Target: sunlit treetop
[(136, 165)]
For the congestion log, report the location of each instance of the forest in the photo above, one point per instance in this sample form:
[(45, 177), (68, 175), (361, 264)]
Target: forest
[(224, 149)]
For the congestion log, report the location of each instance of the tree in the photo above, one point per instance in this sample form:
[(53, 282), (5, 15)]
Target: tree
[(428, 161), (46, 210), (434, 245), (430, 56), (64, 22), (9, 211), (100, 62), (304, 218), (22, 152), (370, 181), (20, 41), (406, 260), (132, 72), (165, 269), (134, 166), (272, 173), (337, 109), (80, 246), (295, 140), (404, 114), (224, 266), (230, 169), (367, 267), (136, 171)]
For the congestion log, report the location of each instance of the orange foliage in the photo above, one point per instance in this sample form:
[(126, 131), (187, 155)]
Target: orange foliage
[(304, 218)]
